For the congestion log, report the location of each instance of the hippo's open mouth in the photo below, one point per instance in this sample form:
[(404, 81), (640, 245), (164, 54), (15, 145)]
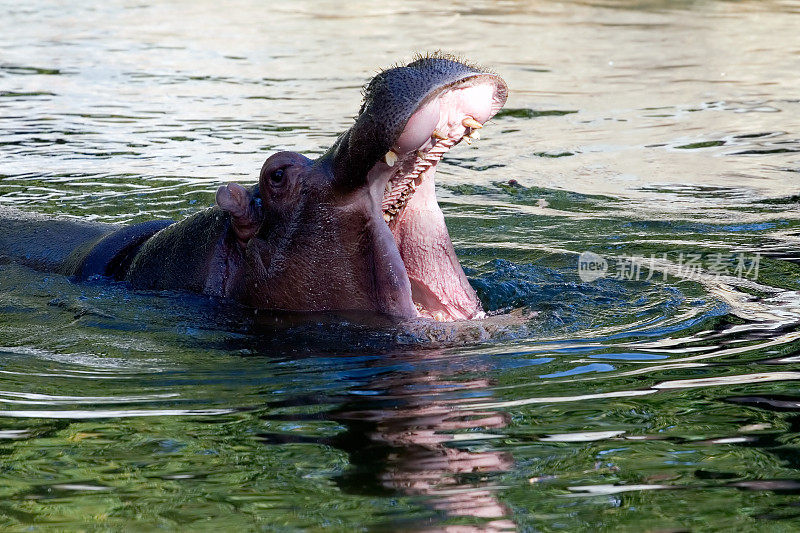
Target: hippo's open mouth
[(404, 180), (453, 115)]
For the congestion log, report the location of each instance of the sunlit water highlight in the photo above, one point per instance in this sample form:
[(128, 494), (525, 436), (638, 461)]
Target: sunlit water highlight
[(643, 132)]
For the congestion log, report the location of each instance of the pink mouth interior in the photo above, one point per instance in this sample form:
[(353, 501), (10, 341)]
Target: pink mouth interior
[(440, 289)]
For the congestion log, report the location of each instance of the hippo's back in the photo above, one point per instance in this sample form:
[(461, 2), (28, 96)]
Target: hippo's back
[(45, 243)]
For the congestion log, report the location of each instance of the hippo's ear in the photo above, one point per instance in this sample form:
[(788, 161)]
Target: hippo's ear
[(243, 208)]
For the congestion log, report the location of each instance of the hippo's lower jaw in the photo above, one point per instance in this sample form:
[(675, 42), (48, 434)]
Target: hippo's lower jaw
[(405, 181)]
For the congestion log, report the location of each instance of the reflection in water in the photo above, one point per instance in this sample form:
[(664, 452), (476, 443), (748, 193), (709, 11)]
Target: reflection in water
[(420, 434), (415, 433)]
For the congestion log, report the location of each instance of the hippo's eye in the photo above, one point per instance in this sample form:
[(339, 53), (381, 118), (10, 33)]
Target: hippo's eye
[(277, 176)]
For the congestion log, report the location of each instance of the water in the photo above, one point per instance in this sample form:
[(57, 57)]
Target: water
[(644, 132)]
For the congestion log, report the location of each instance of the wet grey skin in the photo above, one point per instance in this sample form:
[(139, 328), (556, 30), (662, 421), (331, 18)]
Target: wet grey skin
[(312, 235)]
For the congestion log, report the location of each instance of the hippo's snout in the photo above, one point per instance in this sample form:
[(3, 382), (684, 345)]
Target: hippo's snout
[(411, 116)]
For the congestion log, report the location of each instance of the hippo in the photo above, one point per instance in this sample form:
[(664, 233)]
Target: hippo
[(358, 228)]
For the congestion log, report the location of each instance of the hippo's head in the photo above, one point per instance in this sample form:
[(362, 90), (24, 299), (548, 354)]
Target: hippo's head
[(359, 228)]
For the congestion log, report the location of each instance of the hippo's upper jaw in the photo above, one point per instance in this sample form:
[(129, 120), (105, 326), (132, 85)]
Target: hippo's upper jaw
[(411, 117)]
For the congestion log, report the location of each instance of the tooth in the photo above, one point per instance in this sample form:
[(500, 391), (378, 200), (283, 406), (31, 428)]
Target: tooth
[(470, 122), (468, 139), (475, 135), (390, 158), (438, 135), (387, 217)]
